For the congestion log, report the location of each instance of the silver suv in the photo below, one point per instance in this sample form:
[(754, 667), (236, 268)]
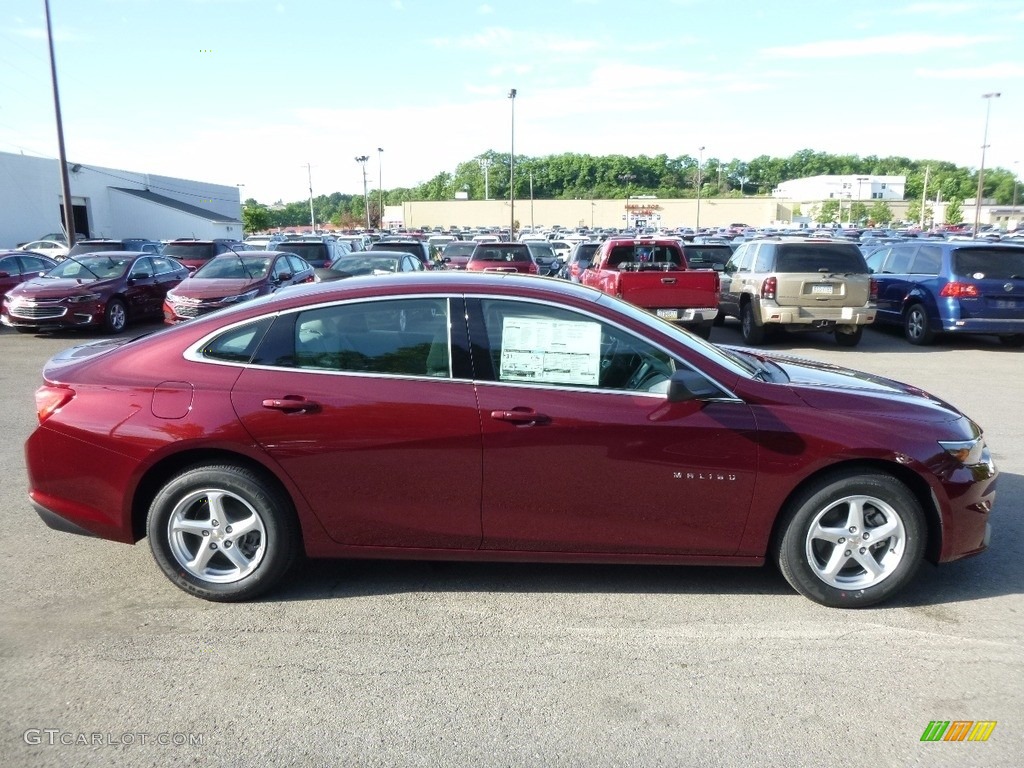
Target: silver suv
[(800, 286)]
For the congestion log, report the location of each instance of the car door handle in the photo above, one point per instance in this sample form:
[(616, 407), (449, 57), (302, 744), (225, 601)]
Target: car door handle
[(668, 280), (292, 404), (521, 416)]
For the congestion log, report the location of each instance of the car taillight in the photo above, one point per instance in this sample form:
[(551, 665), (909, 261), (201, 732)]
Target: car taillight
[(50, 399), (959, 291), (873, 290), (769, 287)]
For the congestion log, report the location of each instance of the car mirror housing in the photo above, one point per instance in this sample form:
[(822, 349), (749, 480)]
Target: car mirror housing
[(687, 384)]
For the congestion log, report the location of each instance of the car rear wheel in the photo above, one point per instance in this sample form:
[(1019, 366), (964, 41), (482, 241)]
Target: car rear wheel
[(222, 533), (116, 317), (850, 339), (851, 539), (703, 330), (1016, 340), (916, 326), (752, 332)]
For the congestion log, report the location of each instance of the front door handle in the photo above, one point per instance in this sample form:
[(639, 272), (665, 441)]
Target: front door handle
[(520, 415), (292, 404)]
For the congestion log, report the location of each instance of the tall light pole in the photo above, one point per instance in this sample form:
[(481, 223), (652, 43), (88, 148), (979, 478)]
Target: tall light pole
[(700, 162), (512, 172), (380, 188), (363, 159), (485, 164), (1016, 180), (312, 217), (981, 171), (65, 182)]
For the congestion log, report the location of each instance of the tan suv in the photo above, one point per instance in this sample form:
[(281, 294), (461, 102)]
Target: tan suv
[(799, 286)]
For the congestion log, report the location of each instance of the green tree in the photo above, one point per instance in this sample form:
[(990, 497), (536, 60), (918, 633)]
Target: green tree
[(829, 212), (255, 217), (858, 212), (880, 213), (954, 212)]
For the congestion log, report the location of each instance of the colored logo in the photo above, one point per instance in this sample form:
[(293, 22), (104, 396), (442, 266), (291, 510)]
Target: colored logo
[(958, 730)]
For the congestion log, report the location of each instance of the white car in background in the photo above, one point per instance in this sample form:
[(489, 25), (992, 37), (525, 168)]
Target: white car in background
[(52, 248)]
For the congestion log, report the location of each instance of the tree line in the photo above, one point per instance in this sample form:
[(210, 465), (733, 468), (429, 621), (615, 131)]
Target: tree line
[(571, 176)]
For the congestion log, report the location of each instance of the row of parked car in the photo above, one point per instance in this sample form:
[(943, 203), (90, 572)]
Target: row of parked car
[(770, 284)]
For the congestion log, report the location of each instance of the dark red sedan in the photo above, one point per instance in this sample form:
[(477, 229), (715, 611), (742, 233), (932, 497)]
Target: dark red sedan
[(398, 417), (105, 288), (231, 278), (18, 266)]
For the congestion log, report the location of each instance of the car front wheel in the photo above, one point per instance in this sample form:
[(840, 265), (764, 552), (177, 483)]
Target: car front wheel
[(850, 339), (116, 317), (852, 539), (222, 533)]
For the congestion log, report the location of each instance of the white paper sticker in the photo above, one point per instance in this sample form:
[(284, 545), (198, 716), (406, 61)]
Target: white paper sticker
[(550, 351)]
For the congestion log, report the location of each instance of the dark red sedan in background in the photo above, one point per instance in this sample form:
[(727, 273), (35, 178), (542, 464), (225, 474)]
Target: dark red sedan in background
[(18, 266), (105, 288), (232, 278), (420, 416)]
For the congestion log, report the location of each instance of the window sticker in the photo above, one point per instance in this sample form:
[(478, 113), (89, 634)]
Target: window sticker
[(550, 351)]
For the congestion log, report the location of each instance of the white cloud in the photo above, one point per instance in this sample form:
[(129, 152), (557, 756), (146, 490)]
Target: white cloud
[(899, 45), (485, 9), (989, 73)]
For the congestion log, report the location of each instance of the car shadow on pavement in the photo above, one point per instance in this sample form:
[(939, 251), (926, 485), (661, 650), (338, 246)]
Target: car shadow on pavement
[(993, 573)]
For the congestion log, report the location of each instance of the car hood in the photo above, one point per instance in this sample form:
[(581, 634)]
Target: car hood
[(835, 388), (213, 288), (43, 288)]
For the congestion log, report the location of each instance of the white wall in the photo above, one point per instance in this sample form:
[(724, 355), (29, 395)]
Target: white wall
[(30, 199)]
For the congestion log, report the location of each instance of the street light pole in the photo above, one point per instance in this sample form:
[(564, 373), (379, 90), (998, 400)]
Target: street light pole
[(65, 182), (700, 162), (380, 188), (981, 171), (312, 217), (512, 172), (363, 159), (485, 164), (626, 178), (1016, 180)]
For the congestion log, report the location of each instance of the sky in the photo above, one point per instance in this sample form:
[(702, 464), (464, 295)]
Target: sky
[(250, 92)]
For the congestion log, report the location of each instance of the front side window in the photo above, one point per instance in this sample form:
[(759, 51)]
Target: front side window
[(407, 337), (540, 344)]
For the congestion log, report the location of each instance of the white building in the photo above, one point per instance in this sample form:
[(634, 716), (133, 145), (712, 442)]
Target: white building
[(108, 202), (861, 187)]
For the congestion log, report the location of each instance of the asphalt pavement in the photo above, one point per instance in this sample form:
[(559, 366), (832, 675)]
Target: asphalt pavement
[(103, 662)]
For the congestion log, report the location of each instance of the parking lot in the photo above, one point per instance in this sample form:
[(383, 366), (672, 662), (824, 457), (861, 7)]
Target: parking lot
[(406, 663)]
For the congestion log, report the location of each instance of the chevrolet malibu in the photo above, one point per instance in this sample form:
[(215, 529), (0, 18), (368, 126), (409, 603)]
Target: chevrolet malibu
[(105, 288), (232, 278), (395, 417)]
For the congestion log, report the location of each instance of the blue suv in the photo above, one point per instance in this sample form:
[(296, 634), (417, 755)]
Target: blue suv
[(951, 287)]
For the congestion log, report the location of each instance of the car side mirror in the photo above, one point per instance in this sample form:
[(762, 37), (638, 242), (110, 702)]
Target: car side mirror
[(687, 384), (284, 276)]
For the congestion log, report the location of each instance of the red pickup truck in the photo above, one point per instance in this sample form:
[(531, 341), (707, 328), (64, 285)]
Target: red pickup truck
[(653, 275)]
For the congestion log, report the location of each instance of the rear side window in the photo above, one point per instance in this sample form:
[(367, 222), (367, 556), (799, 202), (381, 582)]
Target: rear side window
[(927, 261), (818, 258), (995, 263), (238, 344)]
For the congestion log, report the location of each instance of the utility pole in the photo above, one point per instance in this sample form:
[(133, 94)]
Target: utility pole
[(981, 171), (924, 194), (700, 162), (363, 159), (312, 217), (485, 164), (380, 188), (512, 172)]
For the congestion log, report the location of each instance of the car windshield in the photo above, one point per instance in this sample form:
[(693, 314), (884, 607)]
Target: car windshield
[(91, 267), (814, 258), (541, 250), (79, 248), (231, 266), (994, 263), (366, 265)]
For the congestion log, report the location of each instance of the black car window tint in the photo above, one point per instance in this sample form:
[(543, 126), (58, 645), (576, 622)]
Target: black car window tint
[(993, 263), (820, 258), (403, 337), (927, 261), (238, 344)]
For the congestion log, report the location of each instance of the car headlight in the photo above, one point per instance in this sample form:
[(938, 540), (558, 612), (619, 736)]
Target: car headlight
[(83, 297), (240, 297), (967, 452)]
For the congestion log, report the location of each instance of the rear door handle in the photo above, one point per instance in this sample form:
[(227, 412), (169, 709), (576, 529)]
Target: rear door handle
[(521, 415), (292, 404), (668, 280)]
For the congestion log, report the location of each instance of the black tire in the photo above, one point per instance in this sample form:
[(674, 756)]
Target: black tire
[(196, 512), (850, 339), (917, 328), (751, 331), (719, 320), (1016, 340), (116, 317), (873, 517)]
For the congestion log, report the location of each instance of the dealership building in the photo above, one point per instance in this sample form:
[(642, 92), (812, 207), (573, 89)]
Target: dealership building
[(108, 202)]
